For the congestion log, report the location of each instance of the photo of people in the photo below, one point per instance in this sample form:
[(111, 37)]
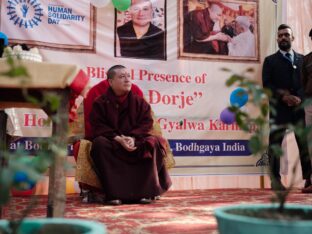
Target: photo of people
[(219, 30), (141, 30)]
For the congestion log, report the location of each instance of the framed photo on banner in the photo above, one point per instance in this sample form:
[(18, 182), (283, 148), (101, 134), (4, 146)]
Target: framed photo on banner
[(58, 25), (219, 30), (140, 32)]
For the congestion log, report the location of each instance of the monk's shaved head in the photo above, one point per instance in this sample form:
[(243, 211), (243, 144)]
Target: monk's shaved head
[(112, 71)]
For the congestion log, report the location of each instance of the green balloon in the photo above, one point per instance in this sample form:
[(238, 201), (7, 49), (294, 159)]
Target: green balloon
[(121, 5)]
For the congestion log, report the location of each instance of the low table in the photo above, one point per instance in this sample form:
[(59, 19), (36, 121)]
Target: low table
[(44, 78)]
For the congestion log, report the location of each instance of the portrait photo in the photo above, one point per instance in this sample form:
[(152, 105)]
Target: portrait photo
[(140, 31), (219, 30)]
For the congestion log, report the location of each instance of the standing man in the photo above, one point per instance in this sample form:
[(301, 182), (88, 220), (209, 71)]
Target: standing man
[(307, 86), (281, 74), (128, 160)]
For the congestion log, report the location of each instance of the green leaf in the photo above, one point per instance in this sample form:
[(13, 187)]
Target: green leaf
[(32, 99), (307, 102), (233, 109), (259, 121), (20, 71), (53, 101), (277, 150), (264, 109), (6, 177), (10, 61), (16, 72), (240, 120), (234, 78), (243, 114), (255, 144), (267, 92), (41, 163)]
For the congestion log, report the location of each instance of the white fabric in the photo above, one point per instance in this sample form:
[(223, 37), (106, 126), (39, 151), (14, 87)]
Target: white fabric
[(243, 45), (243, 20), (216, 27), (26, 122)]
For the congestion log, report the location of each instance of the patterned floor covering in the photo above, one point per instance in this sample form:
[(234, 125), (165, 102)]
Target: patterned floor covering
[(176, 212)]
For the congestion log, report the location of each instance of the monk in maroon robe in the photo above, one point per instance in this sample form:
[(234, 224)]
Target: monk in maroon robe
[(127, 159), (93, 94), (202, 26)]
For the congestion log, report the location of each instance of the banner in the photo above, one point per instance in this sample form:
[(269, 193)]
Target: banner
[(177, 61), (50, 24), (28, 122)]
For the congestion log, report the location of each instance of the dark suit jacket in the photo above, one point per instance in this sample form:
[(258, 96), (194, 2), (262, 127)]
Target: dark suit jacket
[(307, 75), (279, 75)]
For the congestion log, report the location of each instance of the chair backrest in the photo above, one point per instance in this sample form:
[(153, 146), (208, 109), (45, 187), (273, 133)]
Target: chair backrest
[(94, 93)]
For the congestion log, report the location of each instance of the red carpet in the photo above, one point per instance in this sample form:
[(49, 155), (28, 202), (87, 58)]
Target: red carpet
[(177, 211)]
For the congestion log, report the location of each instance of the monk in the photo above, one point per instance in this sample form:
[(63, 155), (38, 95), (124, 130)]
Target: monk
[(127, 158), (93, 94), (88, 192)]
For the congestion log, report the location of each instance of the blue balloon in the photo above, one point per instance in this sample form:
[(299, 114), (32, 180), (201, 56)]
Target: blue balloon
[(22, 182), (227, 116), (5, 38), (239, 97), (20, 177)]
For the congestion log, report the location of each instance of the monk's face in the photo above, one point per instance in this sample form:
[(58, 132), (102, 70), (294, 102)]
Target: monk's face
[(121, 82), (141, 12), (215, 13)]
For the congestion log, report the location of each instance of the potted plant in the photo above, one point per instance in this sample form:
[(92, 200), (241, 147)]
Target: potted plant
[(18, 171), (277, 217)]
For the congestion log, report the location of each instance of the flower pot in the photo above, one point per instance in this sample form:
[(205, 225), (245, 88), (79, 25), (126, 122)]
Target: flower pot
[(240, 224), (57, 225)]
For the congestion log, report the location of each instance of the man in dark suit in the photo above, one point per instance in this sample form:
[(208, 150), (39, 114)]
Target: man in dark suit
[(281, 74), (307, 86)]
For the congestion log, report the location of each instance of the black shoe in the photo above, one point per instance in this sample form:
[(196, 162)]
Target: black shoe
[(307, 183), (277, 186), (93, 197), (115, 202), (84, 192), (145, 201)]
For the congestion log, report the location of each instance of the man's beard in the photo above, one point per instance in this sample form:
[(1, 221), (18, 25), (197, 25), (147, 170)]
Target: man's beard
[(284, 46)]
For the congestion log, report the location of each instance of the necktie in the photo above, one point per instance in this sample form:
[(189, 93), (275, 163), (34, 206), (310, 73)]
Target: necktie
[(288, 56)]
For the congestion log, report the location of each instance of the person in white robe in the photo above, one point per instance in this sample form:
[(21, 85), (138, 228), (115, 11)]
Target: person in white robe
[(242, 45)]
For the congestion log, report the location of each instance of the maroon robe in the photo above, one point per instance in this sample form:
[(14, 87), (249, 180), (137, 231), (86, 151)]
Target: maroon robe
[(93, 94), (128, 176), (199, 26)]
